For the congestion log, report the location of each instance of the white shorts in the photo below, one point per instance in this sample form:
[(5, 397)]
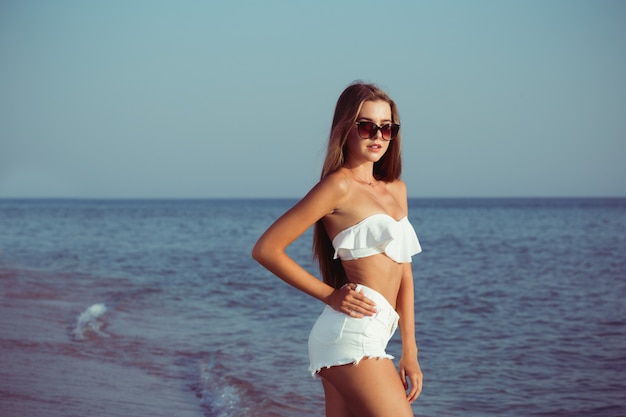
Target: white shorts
[(339, 339)]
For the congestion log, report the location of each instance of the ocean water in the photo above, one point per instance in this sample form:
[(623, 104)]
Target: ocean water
[(155, 308)]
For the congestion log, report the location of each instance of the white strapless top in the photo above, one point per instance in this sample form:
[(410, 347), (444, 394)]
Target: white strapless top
[(378, 233)]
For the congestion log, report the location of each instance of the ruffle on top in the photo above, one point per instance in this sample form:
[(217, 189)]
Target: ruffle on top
[(378, 233)]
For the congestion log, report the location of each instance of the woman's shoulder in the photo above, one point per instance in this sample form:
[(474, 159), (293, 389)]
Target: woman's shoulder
[(330, 191), (397, 187), (337, 181)]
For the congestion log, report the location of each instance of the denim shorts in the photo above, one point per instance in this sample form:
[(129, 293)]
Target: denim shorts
[(339, 339)]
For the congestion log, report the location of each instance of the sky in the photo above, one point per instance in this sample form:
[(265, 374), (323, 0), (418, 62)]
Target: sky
[(221, 99)]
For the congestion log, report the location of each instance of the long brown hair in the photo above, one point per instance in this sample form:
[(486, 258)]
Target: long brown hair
[(387, 169)]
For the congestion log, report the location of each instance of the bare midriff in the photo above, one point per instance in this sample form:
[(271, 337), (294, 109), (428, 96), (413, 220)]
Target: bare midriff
[(377, 272)]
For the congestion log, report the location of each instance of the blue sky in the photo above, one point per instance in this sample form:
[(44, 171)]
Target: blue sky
[(174, 99)]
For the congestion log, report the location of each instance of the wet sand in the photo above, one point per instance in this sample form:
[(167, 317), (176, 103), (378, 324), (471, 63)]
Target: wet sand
[(44, 372)]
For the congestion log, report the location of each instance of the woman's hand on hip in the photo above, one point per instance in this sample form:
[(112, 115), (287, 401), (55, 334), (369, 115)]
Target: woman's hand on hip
[(347, 300)]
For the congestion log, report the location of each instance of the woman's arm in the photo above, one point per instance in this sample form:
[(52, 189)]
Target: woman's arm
[(269, 250), (408, 367)]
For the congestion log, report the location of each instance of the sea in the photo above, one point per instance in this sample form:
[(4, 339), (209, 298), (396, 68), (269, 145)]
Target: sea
[(156, 308)]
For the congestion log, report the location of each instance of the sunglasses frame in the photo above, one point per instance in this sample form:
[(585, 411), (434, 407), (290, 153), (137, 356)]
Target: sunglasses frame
[(375, 128)]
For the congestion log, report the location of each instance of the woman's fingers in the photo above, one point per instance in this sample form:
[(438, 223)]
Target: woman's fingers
[(415, 391), (415, 383), (355, 303)]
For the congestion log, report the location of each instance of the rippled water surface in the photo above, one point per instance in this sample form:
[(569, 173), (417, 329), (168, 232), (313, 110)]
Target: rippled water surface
[(155, 308)]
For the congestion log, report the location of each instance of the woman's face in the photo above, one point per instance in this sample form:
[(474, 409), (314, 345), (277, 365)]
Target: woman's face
[(361, 150)]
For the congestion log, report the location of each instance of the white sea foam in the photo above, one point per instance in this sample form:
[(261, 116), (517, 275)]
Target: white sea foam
[(219, 396), (90, 321)]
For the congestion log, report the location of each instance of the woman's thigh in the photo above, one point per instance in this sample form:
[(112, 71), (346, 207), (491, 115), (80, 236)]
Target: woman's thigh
[(371, 389), (336, 406)]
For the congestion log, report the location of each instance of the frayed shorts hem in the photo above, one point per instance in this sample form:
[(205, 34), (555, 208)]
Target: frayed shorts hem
[(347, 361)]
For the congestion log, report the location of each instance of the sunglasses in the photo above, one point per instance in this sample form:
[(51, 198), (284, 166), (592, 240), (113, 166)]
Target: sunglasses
[(367, 130)]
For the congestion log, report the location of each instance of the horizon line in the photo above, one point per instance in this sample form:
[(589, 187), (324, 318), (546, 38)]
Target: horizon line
[(563, 197)]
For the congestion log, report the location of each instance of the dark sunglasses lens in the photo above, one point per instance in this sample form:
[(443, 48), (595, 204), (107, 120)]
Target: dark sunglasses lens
[(386, 131), (394, 128), (389, 131), (366, 130)]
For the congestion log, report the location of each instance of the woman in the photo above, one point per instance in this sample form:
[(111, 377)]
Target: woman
[(364, 243)]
